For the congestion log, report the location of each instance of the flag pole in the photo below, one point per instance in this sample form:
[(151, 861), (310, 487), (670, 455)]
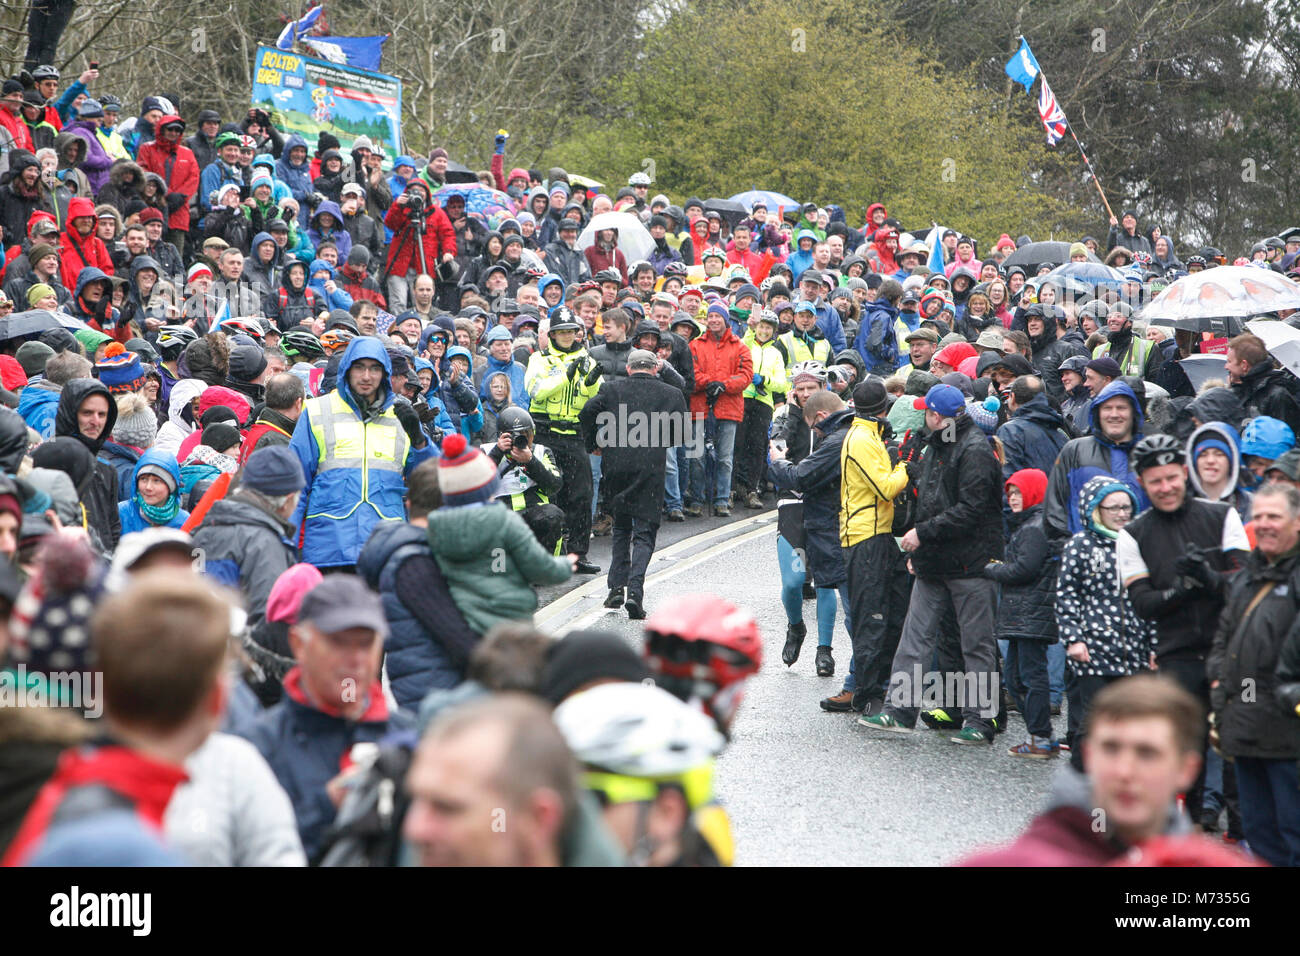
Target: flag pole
[(1087, 162)]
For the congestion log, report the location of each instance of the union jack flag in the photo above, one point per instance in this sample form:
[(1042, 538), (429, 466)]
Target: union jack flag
[(1050, 112)]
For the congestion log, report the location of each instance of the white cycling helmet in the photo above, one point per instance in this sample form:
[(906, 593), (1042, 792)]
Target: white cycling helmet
[(638, 179)]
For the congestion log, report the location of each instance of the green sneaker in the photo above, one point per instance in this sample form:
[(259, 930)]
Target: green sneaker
[(884, 722), (971, 735), (939, 720)]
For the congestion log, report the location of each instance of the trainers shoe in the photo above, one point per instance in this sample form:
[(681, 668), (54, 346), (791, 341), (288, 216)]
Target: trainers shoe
[(615, 598), (635, 611), (841, 703), (971, 735), (883, 722), (676, 515), (825, 662), (1031, 749), (586, 567), (939, 719), (794, 635), (722, 511), (753, 502), (692, 511), (602, 526)]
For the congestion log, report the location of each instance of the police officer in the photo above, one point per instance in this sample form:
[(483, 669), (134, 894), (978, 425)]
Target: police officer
[(561, 378), (528, 475)]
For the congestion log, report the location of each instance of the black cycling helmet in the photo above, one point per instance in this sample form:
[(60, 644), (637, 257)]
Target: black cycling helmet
[(172, 340), (675, 268), (608, 275), (1156, 450), (143, 349), (300, 343), (514, 420)]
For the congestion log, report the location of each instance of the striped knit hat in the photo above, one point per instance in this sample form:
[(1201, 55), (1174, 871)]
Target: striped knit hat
[(119, 370), (466, 476)]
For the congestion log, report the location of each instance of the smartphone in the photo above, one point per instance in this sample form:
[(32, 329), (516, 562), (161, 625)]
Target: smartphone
[(94, 64)]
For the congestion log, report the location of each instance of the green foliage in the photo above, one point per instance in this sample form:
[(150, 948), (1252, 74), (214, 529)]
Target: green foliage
[(815, 100)]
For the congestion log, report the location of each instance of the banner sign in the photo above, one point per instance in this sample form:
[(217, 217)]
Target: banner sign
[(308, 96)]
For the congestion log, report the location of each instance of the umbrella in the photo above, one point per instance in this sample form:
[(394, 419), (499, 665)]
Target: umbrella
[(1033, 254), (585, 181), (634, 240), (35, 321), (1281, 340), (772, 200), (456, 173), (1201, 368), (480, 202), (1205, 299), (728, 209), (1092, 272)]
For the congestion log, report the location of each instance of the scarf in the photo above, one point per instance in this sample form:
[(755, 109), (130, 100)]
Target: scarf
[(160, 515)]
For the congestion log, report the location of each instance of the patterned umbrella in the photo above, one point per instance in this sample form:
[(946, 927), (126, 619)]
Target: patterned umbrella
[(1222, 292), (480, 202)]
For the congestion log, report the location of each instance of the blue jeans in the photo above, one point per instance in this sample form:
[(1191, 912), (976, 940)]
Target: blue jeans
[(1056, 672), (672, 483), (595, 484), (1026, 676), (724, 443), (1270, 808)]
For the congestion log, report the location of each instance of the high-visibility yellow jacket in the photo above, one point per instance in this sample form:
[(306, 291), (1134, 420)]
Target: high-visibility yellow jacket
[(869, 483)]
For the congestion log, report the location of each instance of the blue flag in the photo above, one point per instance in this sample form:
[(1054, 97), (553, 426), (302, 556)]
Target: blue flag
[(1022, 67), (936, 248), (294, 29), (360, 52)]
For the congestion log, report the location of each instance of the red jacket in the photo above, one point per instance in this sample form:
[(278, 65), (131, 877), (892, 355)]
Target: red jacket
[(439, 238), (353, 282), (600, 259), (182, 177), (145, 782), (726, 360), (76, 253), (756, 264), (17, 129)]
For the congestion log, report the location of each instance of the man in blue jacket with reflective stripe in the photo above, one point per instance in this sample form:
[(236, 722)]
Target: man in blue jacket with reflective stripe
[(356, 445)]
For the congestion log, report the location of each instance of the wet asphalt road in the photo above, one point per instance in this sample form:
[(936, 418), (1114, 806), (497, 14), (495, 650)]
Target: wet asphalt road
[(804, 787)]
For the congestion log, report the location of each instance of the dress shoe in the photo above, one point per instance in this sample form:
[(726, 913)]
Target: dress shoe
[(635, 611), (586, 567), (615, 598)]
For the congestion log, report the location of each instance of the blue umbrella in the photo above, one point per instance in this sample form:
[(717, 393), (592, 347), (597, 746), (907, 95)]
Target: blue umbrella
[(771, 199), (1094, 273)]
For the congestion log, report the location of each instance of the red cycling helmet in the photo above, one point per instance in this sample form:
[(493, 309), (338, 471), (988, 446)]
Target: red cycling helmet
[(702, 648)]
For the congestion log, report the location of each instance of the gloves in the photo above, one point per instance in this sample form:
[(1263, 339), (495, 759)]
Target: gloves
[(410, 421), (714, 389), (913, 469), (175, 201), (499, 142), (592, 377), (424, 412), (103, 312), (1193, 565), (573, 368), (466, 399), (757, 380)]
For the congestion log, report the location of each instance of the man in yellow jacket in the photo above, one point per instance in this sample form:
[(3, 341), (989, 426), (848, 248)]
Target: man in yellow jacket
[(878, 582)]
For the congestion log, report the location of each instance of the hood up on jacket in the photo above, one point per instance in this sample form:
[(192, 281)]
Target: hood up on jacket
[(365, 347), (183, 393), (1114, 389), (162, 460), (1220, 435), (71, 399), (1091, 496)]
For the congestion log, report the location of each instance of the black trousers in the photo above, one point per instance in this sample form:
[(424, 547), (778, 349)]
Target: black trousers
[(546, 523), (879, 591), (574, 496), (751, 448), (1080, 689), (634, 544), (1191, 677)]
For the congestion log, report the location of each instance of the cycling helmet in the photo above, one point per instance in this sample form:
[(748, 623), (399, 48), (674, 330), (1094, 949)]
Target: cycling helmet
[(227, 139), (247, 142), (110, 103), (627, 729), (172, 340), (1156, 450), (45, 72), (1266, 437), (638, 179), (702, 648), (608, 275), (1195, 260), (639, 266), (250, 327), (299, 343), (143, 349), (768, 316), (816, 369), (563, 320), (714, 252), (514, 420), (675, 269), (336, 340), (1275, 242)]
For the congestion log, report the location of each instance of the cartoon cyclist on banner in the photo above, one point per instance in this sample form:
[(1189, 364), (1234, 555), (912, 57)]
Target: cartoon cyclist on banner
[(323, 100)]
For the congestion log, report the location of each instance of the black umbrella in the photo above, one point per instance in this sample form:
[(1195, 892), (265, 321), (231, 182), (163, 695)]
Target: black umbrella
[(34, 322), (456, 173), (1033, 254), (728, 209)]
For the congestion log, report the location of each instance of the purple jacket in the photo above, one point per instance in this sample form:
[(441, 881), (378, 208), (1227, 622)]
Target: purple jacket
[(97, 161)]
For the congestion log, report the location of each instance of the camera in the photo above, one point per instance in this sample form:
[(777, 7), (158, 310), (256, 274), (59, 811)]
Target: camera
[(416, 203), (519, 439)]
